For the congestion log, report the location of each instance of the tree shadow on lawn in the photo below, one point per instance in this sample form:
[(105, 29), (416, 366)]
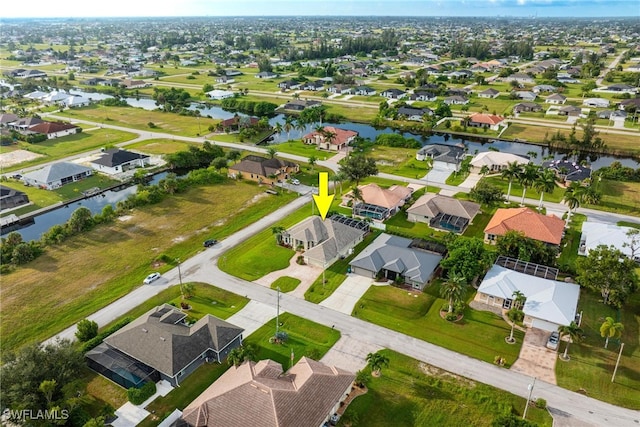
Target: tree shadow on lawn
[(45, 264), (426, 391)]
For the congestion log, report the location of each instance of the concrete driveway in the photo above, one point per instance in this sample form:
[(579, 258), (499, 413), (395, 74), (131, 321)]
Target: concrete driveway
[(344, 298), (307, 274), (471, 180), (349, 353), (253, 316), (438, 175), (535, 358)]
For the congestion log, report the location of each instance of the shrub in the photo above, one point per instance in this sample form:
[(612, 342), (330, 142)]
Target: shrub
[(541, 403), (151, 125), (516, 315), (139, 395), (87, 329), (451, 317), (97, 340)]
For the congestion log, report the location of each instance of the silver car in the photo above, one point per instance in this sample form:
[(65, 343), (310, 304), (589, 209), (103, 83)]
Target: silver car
[(554, 339), (151, 278)]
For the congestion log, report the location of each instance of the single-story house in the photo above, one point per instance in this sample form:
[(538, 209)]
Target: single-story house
[(414, 114), (456, 100), (225, 79), (520, 78), (549, 303), (495, 161), (629, 103), (161, 345), (443, 212), (54, 129), (340, 89), (300, 104), (423, 95), (544, 88), (77, 101), (545, 228), (364, 91), (7, 118), (525, 95), (220, 94), (32, 74), (487, 121), (314, 85), (393, 93), (622, 87), (379, 203), (396, 258), (237, 122), (596, 102), (11, 198), (569, 110), (290, 84), (595, 234), (612, 114), (116, 160), (263, 170), (444, 156), (25, 123), (556, 98), (325, 241), (261, 394), (340, 140), (489, 93), (266, 75), (527, 107), (56, 175), (567, 170)]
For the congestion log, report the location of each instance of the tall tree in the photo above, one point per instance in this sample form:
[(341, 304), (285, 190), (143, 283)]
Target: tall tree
[(278, 230), (574, 333), (358, 167), (608, 271), (610, 329), (271, 152), (511, 172), (312, 162), (467, 257), (356, 195), (527, 177), (377, 361), (545, 183), (454, 289)]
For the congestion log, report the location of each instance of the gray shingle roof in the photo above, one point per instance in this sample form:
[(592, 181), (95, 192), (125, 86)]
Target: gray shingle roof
[(56, 172), (432, 204), (159, 339)]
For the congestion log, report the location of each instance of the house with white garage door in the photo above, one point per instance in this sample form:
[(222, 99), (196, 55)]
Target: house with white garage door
[(549, 302)]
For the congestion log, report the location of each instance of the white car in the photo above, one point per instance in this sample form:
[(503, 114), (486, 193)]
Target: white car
[(151, 278), (295, 182)]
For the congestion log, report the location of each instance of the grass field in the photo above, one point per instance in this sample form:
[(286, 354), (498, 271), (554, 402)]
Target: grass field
[(58, 148), (399, 161), (591, 365), (161, 146), (516, 190), (300, 149), (411, 393), (285, 283), (69, 282), (418, 315), (618, 196)]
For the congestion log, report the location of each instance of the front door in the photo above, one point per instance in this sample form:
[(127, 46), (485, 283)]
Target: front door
[(507, 304)]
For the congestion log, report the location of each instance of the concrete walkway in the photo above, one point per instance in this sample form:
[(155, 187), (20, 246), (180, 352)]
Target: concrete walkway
[(253, 316), (349, 353), (344, 298)]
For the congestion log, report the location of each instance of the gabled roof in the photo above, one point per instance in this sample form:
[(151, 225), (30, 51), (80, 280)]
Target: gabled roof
[(261, 165), (546, 228), (116, 157), (571, 171), (51, 127), (548, 300), (490, 91), (394, 253), (260, 394), (390, 198), (55, 172), (557, 96), (161, 340), (492, 158), (342, 136), (432, 204)]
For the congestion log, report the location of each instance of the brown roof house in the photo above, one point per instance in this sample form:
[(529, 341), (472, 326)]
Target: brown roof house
[(443, 212), (339, 141), (325, 241), (487, 121), (380, 203), (161, 345), (55, 129), (261, 394), (545, 228), (263, 170)]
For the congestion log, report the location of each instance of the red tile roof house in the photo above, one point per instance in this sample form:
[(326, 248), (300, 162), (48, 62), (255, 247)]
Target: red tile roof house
[(481, 120), (55, 129), (545, 228), (260, 394), (339, 142)]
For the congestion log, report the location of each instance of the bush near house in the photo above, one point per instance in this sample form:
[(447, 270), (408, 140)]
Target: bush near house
[(139, 395)]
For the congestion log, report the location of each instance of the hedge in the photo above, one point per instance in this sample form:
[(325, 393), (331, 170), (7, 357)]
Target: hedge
[(97, 340), (139, 395)]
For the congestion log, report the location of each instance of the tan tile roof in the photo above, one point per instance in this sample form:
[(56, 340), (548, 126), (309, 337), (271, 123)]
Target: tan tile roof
[(391, 198), (342, 136), (489, 119), (536, 226), (261, 395)]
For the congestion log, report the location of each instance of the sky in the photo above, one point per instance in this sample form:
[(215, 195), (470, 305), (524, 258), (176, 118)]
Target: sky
[(122, 8)]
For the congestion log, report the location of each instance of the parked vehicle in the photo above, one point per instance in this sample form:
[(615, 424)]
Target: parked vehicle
[(554, 339), (210, 242), (151, 278), (295, 181)]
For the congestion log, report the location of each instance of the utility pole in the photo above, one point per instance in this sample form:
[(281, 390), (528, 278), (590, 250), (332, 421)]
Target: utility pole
[(526, 406), (613, 377), (179, 272), (278, 312)]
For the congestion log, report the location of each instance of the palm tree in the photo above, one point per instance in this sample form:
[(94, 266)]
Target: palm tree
[(271, 152), (376, 361), (572, 197), (574, 333), (527, 177), (288, 125), (337, 179), (454, 289), (356, 194), (610, 329), (312, 162), (484, 170), (518, 300), (239, 355), (278, 230), (278, 129), (301, 126), (545, 182), (511, 172)]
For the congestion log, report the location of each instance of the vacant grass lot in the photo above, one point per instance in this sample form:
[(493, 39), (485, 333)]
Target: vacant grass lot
[(411, 393), (336, 273), (161, 146), (58, 148), (531, 193), (139, 118), (399, 161), (618, 196), (300, 149), (591, 365), (70, 281), (285, 283), (419, 317)]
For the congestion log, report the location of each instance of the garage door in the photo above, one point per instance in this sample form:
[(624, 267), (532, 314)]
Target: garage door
[(547, 326)]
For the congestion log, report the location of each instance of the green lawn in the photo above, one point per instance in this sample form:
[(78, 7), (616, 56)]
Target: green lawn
[(516, 189), (336, 273), (591, 365), (411, 393), (418, 315), (285, 283), (306, 338), (399, 161), (305, 150), (260, 254), (161, 146), (618, 196), (570, 243), (398, 224)]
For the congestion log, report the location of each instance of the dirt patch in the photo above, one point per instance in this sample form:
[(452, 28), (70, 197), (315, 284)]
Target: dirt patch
[(125, 218), (437, 372), (178, 239), (220, 222), (16, 157), (256, 198)]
